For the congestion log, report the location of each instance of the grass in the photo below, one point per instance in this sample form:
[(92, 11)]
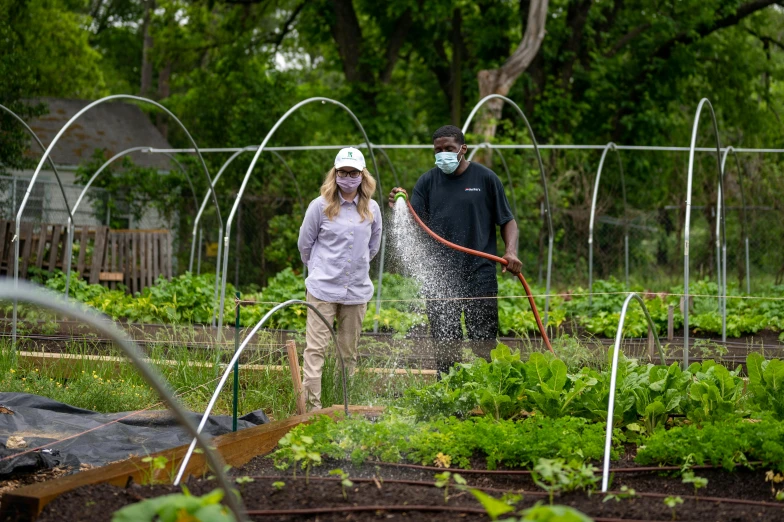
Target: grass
[(112, 387)]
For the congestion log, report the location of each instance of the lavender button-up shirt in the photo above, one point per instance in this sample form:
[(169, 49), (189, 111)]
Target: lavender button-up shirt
[(338, 251)]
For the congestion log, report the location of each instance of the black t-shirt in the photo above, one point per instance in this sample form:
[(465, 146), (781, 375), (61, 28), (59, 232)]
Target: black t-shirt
[(465, 210)]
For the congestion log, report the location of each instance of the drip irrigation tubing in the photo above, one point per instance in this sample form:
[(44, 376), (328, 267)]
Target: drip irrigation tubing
[(636, 469), (484, 255), (380, 481), (357, 509)]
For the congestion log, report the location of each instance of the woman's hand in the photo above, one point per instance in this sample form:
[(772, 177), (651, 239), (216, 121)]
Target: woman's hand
[(392, 195)]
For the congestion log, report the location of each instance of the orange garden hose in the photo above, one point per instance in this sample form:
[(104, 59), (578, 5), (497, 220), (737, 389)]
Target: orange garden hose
[(491, 257)]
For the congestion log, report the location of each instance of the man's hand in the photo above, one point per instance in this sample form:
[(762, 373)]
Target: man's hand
[(514, 265), (392, 195)]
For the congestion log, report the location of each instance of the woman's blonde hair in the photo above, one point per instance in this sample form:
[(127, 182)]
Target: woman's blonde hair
[(331, 193)]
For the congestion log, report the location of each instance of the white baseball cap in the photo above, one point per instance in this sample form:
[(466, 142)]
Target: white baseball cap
[(350, 157)]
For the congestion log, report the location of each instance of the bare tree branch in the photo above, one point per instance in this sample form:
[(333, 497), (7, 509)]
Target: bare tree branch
[(627, 39)]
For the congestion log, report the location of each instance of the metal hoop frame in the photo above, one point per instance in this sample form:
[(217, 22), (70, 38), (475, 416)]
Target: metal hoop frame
[(227, 228), (98, 172), (40, 144), (614, 375), (686, 230), (30, 294), (70, 224), (721, 248), (234, 360), (550, 234), (594, 198)]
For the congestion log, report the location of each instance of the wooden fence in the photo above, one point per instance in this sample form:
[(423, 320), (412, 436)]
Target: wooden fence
[(135, 258)]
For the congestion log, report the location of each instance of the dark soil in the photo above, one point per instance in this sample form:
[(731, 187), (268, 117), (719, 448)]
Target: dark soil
[(374, 486)]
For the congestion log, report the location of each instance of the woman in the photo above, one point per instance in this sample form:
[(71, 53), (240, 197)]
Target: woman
[(339, 236)]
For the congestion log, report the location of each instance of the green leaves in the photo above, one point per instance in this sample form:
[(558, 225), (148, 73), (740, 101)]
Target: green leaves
[(766, 383), (172, 508)]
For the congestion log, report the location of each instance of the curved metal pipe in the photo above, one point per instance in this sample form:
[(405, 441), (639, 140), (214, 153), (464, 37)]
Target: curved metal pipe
[(234, 360), (594, 198), (721, 247), (389, 162), (228, 162), (70, 221), (686, 229), (227, 229), (97, 173), (614, 375), (40, 144), (15, 239), (30, 294), (203, 206), (550, 234)]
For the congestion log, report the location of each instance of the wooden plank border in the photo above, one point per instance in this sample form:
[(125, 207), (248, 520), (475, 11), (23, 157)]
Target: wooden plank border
[(236, 449)]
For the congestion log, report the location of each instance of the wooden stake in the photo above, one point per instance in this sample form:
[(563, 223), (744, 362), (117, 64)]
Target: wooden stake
[(296, 379), (670, 321)]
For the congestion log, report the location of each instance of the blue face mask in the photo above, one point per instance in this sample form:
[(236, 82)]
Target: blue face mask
[(447, 162)]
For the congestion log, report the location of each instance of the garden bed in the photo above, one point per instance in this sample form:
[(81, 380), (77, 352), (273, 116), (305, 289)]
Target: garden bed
[(375, 485)]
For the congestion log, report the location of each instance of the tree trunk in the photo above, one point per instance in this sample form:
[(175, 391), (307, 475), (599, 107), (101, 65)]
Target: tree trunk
[(164, 89), (146, 83), (500, 81), (456, 71)]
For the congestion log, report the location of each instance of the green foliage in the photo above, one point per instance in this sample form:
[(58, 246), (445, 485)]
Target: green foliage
[(544, 513), (394, 438), (698, 482), (178, 506), (766, 383), (716, 392), (557, 475), (672, 502), (494, 507), (724, 443), (344, 481), (445, 478)]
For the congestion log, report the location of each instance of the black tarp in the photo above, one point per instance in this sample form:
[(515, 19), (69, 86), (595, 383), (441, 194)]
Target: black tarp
[(39, 421)]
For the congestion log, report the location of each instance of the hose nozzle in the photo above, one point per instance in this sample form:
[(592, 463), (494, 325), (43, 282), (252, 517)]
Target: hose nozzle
[(400, 195)]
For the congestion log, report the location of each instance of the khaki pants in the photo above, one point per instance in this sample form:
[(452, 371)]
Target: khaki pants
[(349, 325)]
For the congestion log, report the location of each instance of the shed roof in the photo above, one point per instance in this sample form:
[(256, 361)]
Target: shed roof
[(112, 126)]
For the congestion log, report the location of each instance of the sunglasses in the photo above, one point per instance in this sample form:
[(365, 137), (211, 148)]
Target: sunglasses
[(348, 173)]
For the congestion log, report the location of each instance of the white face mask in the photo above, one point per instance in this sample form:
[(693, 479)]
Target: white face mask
[(447, 162)]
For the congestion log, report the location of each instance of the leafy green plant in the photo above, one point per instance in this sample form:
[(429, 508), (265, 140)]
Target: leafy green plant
[(623, 494), (494, 507), (242, 481), (344, 481), (551, 388), (278, 485), (673, 502), (716, 392), (444, 479), (726, 443), (557, 475), (297, 448), (177, 507), (154, 465), (698, 482), (766, 383), (544, 513)]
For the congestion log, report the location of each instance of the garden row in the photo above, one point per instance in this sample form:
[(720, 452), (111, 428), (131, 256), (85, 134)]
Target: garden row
[(188, 299), (540, 429)]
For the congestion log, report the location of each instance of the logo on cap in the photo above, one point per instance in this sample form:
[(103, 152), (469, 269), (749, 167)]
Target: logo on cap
[(350, 154)]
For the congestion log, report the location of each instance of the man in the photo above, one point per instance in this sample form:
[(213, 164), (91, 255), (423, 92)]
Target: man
[(463, 202)]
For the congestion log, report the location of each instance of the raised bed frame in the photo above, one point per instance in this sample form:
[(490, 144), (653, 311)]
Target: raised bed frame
[(236, 449)]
